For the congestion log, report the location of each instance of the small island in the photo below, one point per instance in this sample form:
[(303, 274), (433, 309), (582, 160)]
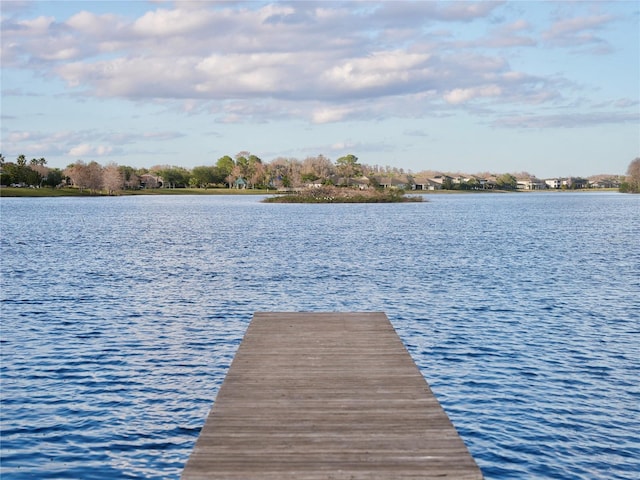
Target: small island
[(330, 194)]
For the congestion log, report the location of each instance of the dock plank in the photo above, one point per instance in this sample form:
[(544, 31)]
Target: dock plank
[(316, 396)]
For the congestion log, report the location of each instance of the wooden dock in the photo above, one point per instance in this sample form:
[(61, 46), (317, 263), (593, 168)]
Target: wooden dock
[(326, 396)]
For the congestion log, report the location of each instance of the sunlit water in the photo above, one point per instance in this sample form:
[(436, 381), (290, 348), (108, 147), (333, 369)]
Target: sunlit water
[(120, 317)]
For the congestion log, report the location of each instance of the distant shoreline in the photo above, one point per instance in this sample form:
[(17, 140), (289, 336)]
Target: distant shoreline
[(75, 192), (27, 192)]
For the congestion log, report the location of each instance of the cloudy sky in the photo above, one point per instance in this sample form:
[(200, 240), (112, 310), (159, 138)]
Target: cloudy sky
[(551, 88)]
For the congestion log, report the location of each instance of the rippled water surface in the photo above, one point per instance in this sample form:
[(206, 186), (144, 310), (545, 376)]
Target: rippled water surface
[(120, 317)]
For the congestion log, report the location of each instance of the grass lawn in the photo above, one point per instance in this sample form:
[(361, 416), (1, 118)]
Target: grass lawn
[(41, 192), (74, 192)]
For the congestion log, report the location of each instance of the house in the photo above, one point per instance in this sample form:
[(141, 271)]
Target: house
[(554, 183), (605, 183), (400, 182), (487, 183), (575, 183), (314, 183), (438, 181), (147, 180), (531, 183), (444, 181), (363, 183), (424, 183)]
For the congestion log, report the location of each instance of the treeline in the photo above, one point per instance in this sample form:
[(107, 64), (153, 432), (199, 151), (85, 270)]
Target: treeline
[(29, 173), (246, 170)]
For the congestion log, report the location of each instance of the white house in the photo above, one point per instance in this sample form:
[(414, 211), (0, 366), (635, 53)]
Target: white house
[(554, 183)]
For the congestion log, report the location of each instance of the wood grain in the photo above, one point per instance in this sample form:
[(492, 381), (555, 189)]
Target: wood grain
[(326, 396)]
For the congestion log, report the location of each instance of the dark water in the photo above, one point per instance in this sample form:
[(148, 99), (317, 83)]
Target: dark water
[(120, 317)]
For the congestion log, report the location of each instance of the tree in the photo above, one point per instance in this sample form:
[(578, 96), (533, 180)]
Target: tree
[(447, 184), (77, 173), (317, 168), (258, 175), (20, 173), (53, 178), (85, 175), (95, 177), (225, 167), (113, 179), (203, 176), (8, 173), (254, 171), (471, 184), (130, 177), (173, 177), (248, 167), (41, 169), (348, 167), (285, 172), (632, 182), (507, 182)]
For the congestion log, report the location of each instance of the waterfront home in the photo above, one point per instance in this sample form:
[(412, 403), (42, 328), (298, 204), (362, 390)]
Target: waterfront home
[(147, 180), (425, 183), (554, 183), (314, 183), (604, 183), (400, 182), (531, 183), (363, 183)]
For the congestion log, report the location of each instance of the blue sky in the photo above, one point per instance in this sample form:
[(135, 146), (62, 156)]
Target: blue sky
[(551, 88)]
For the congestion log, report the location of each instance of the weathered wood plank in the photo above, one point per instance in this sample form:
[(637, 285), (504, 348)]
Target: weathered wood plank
[(326, 396)]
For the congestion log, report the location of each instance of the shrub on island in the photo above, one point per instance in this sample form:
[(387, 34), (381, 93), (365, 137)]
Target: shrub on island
[(329, 194)]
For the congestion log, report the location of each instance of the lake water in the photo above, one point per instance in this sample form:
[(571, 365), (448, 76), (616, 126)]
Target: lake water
[(120, 317)]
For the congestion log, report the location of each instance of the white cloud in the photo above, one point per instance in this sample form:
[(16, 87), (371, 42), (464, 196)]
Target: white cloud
[(245, 74), (463, 95), (90, 150), (95, 25), (344, 145), (289, 52), (319, 62), (510, 35), (37, 26), (416, 12), (163, 22), (379, 69), (101, 150), (275, 51), (81, 143), (61, 54), (80, 150), (15, 137), (566, 120), (330, 114), (576, 31), (35, 142)]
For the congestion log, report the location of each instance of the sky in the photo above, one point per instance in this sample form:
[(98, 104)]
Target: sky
[(550, 88)]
